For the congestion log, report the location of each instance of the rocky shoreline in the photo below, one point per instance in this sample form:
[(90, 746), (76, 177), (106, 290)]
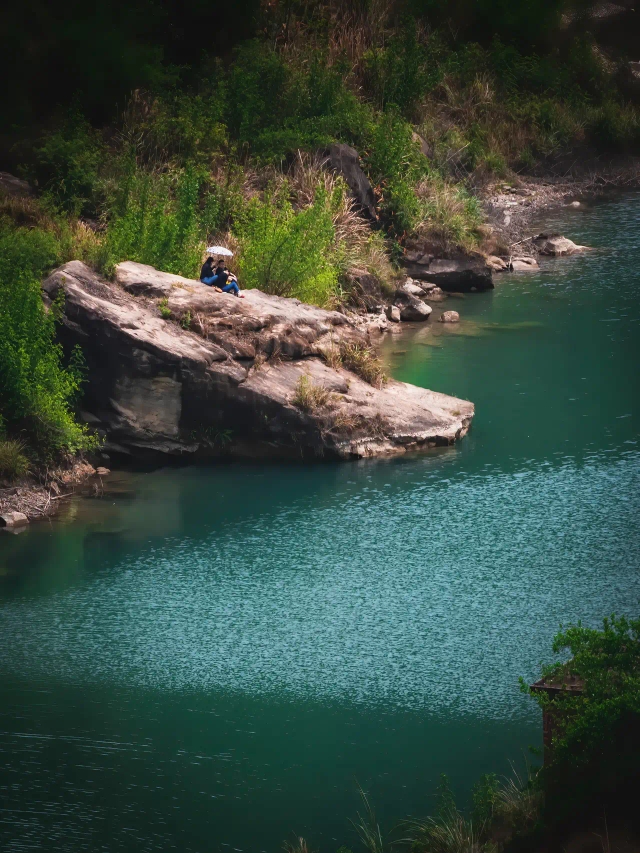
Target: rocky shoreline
[(261, 355), (34, 498)]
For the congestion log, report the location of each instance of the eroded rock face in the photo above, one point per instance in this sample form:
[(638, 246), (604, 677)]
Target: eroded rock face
[(228, 382), (346, 161), (461, 274)]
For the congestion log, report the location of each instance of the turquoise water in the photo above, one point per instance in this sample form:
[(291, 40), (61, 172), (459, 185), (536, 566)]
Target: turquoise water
[(211, 659)]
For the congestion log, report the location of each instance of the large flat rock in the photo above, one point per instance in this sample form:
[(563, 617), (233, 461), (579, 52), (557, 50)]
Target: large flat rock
[(228, 382)]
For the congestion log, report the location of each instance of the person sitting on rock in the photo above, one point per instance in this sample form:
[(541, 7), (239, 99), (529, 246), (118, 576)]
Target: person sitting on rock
[(207, 273), (220, 278), (226, 280)]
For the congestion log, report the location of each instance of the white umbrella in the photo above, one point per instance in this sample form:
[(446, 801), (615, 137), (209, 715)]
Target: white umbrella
[(219, 250)]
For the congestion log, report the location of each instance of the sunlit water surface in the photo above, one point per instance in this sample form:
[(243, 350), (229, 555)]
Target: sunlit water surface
[(211, 659)]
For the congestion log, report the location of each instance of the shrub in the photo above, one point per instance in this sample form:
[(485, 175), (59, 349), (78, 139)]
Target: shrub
[(154, 220), (593, 759), (37, 388), (285, 252), (13, 463), (66, 165)]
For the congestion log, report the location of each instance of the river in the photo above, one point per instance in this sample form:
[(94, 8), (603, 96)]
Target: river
[(212, 658)]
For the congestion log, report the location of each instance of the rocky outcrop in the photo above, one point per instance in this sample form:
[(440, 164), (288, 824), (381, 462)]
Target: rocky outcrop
[(346, 161), (10, 520), (223, 375), (557, 246), (466, 273), (10, 185)]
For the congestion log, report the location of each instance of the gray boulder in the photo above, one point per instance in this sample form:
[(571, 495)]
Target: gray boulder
[(228, 384), (10, 185), (524, 264), (346, 161), (413, 289), (13, 519), (393, 313), (411, 307), (449, 317)]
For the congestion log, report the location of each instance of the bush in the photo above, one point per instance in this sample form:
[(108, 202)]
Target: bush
[(13, 463), (37, 388), (154, 220), (364, 363), (596, 740), (66, 165), (285, 252)]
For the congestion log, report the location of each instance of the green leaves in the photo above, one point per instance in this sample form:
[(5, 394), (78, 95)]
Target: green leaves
[(38, 390), (155, 220), (288, 253)]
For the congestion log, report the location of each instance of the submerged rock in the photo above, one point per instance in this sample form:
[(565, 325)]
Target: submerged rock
[(227, 377), (524, 264), (449, 317), (556, 246)]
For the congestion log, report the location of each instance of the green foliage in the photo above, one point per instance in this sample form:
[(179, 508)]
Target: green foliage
[(400, 74), (66, 165), (275, 106), (483, 797), (163, 308), (285, 252), (155, 220), (37, 389), (597, 734), (13, 462), (308, 396), (364, 362), (368, 828)]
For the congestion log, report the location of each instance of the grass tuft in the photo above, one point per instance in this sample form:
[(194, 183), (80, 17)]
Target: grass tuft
[(364, 363), (310, 397), (13, 463)]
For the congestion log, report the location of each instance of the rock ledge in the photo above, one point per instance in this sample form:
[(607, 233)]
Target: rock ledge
[(224, 379)]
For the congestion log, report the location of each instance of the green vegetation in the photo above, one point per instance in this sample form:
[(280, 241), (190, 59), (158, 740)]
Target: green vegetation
[(310, 397), (38, 388), (13, 463), (597, 732), (160, 149)]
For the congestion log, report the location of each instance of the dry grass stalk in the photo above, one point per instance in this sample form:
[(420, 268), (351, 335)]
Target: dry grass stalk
[(363, 361), (311, 397)]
